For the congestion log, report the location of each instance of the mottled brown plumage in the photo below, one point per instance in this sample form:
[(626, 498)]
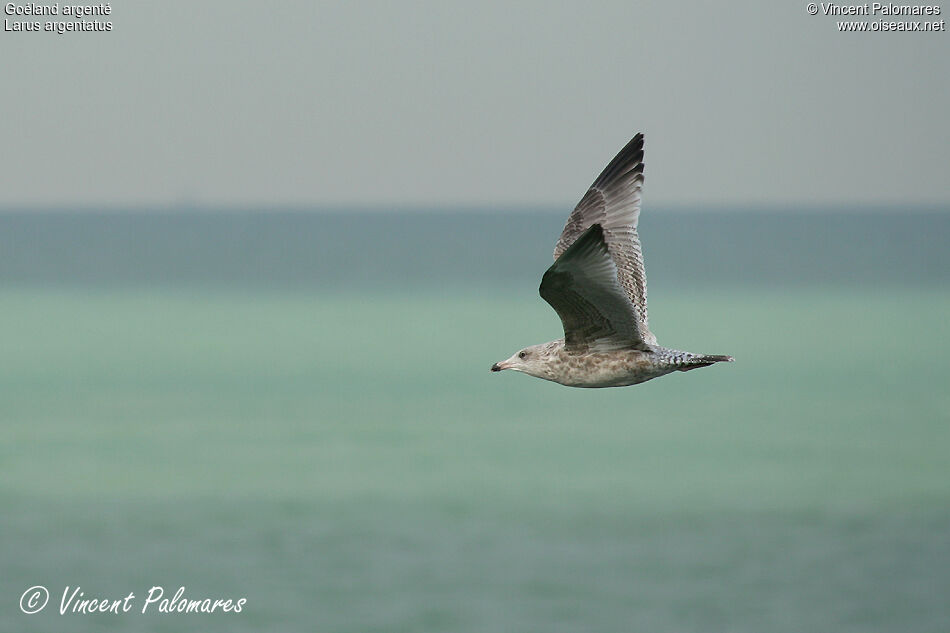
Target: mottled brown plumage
[(597, 285)]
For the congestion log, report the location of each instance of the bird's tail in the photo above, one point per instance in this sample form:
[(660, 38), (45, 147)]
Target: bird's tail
[(703, 360)]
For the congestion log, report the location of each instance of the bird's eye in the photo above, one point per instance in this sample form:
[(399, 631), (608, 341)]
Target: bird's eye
[(522, 354)]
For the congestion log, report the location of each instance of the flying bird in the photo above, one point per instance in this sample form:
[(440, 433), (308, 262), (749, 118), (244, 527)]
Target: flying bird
[(597, 285)]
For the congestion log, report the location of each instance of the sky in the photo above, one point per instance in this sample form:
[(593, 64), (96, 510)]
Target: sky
[(436, 104)]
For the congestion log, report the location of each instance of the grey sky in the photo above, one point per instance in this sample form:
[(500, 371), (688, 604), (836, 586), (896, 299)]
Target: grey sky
[(301, 102)]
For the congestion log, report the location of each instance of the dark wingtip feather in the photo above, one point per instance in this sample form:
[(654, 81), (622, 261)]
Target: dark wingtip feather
[(627, 159)]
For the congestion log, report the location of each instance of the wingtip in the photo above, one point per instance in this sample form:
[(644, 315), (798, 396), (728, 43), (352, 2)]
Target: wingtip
[(628, 163)]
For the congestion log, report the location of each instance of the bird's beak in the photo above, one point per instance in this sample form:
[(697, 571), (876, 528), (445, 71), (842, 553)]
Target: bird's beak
[(499, 366)]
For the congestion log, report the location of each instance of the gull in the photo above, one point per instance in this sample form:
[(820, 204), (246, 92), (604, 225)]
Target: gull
[(598, 287)]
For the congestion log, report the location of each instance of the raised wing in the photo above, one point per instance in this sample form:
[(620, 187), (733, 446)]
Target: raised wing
[(613, 202), (583, 288)]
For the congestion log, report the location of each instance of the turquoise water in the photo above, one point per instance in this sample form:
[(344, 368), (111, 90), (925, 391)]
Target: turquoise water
[(346, 462)]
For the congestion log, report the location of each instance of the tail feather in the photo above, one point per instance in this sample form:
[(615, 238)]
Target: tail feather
[(704, 360)]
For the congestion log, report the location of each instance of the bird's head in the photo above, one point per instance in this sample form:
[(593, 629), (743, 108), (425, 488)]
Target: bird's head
[(530, 360)]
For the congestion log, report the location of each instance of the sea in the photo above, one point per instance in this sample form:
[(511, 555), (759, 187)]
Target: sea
[(293, 407)]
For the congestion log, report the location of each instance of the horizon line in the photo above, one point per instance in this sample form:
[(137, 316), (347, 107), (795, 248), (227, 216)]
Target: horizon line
[(449, 209)]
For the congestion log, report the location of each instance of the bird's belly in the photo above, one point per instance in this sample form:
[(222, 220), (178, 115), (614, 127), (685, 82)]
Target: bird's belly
[(609, 370)]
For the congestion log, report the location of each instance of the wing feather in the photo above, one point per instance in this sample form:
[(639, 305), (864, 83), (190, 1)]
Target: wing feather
[(583, 288), (613, 202)]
